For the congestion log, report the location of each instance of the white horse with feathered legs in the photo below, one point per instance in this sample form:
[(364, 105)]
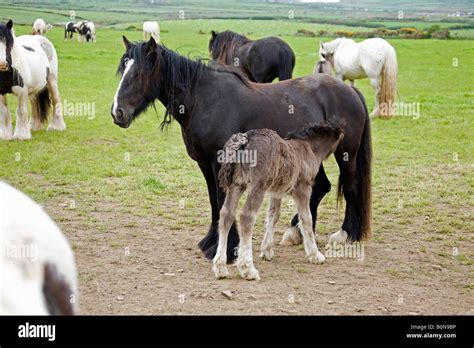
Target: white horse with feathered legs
[(373, 58), (29, 70)]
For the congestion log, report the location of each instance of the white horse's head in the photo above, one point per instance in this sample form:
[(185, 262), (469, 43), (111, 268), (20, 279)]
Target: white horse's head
[(327, 50), (6, 45)]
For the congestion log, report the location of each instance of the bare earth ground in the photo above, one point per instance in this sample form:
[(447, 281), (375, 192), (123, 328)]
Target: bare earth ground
[(131, 264)]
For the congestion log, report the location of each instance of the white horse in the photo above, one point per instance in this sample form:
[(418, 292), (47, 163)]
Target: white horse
[(38, 273), (151, 29), (40, 27), (372, 58), (29, 70)]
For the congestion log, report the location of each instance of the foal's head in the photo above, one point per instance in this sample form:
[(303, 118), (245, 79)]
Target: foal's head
[(6, 44), (134, 93)]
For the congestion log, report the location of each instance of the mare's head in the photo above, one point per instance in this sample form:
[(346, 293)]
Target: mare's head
[(134, 93), (222, 45), (323, 67), (6, 45), (327, 50)]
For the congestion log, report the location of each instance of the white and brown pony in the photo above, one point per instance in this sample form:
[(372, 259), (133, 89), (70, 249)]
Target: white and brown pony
[(29, 70), (280, 167), (373, 58), (151, 29), (38, 273), (40, 27)]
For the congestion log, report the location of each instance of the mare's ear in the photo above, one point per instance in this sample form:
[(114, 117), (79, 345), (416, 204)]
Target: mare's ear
[(127, 43), (213, 34), (151, 47), (10, 24), (321, 45)]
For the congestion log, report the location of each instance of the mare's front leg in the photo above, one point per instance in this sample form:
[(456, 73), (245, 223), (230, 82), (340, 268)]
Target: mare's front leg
[(22, 128), (5, 119), (226, 219)]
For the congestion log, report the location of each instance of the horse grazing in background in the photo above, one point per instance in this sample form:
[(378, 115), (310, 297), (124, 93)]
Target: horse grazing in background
[(281, 167), (86, 31), (322, 67), (69, 29), (212, 102), (372, 58), (40, 27), (151, 29), (261, 60), (40, 276), (29, 70)]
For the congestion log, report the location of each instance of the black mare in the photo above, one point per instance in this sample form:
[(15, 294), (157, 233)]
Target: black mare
[(213, 102), (261, 60)]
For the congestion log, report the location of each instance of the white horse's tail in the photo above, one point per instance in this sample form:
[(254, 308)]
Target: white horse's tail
[(388, 87)]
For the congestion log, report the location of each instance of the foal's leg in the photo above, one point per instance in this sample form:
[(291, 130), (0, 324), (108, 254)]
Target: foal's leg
[(247, 221), (22, 128), (321, 187), (5, 119), (273, 214), (57, 123), (301, 198), (375, 82), (226, 219)]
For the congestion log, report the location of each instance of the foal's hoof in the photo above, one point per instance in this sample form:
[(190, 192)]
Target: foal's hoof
[(59, 127), (22, 135), (292, 236), (267, 254), (339, 237), (317, 257), (5, 135), (220, 269), (247, 271)]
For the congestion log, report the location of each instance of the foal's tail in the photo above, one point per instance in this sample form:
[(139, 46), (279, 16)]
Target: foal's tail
[(226, 173), (363, 178), (287, 63), (43, 100), (388, 86)]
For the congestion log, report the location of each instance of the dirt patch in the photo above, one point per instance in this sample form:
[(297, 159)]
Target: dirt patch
[(133, 265)]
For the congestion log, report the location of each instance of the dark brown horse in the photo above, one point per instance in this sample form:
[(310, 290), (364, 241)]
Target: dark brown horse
[(213, 102), (261, 60)]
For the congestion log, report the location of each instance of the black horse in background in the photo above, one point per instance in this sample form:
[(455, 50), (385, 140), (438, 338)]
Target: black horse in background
[(213, 102), (261, 60)]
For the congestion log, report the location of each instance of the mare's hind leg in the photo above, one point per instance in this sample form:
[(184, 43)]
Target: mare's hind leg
[(5, 119), (247, 221), (351, 225), (375, 82), (302, 197), (273, 214), (321, 187), (226, 219), (57, 123), (35, 118)]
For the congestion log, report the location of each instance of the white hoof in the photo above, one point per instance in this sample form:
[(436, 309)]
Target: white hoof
[(316, 257), (220, 270), (267, 254), (6, 134), (247, 270), (292, 236), (57, 126), (339, 237), (22, 134)]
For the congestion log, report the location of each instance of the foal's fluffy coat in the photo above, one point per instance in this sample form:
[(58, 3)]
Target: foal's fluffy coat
[(283, 166)]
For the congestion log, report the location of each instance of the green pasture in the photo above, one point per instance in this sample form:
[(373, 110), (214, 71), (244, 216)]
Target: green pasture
[(422, 166)]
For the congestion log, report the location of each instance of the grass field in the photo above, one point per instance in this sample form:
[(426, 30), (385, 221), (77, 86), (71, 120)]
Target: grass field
[(113, 190)]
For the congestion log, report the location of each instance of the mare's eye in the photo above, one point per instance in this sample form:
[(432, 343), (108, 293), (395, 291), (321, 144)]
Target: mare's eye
[(323, 55), (125, 61)]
